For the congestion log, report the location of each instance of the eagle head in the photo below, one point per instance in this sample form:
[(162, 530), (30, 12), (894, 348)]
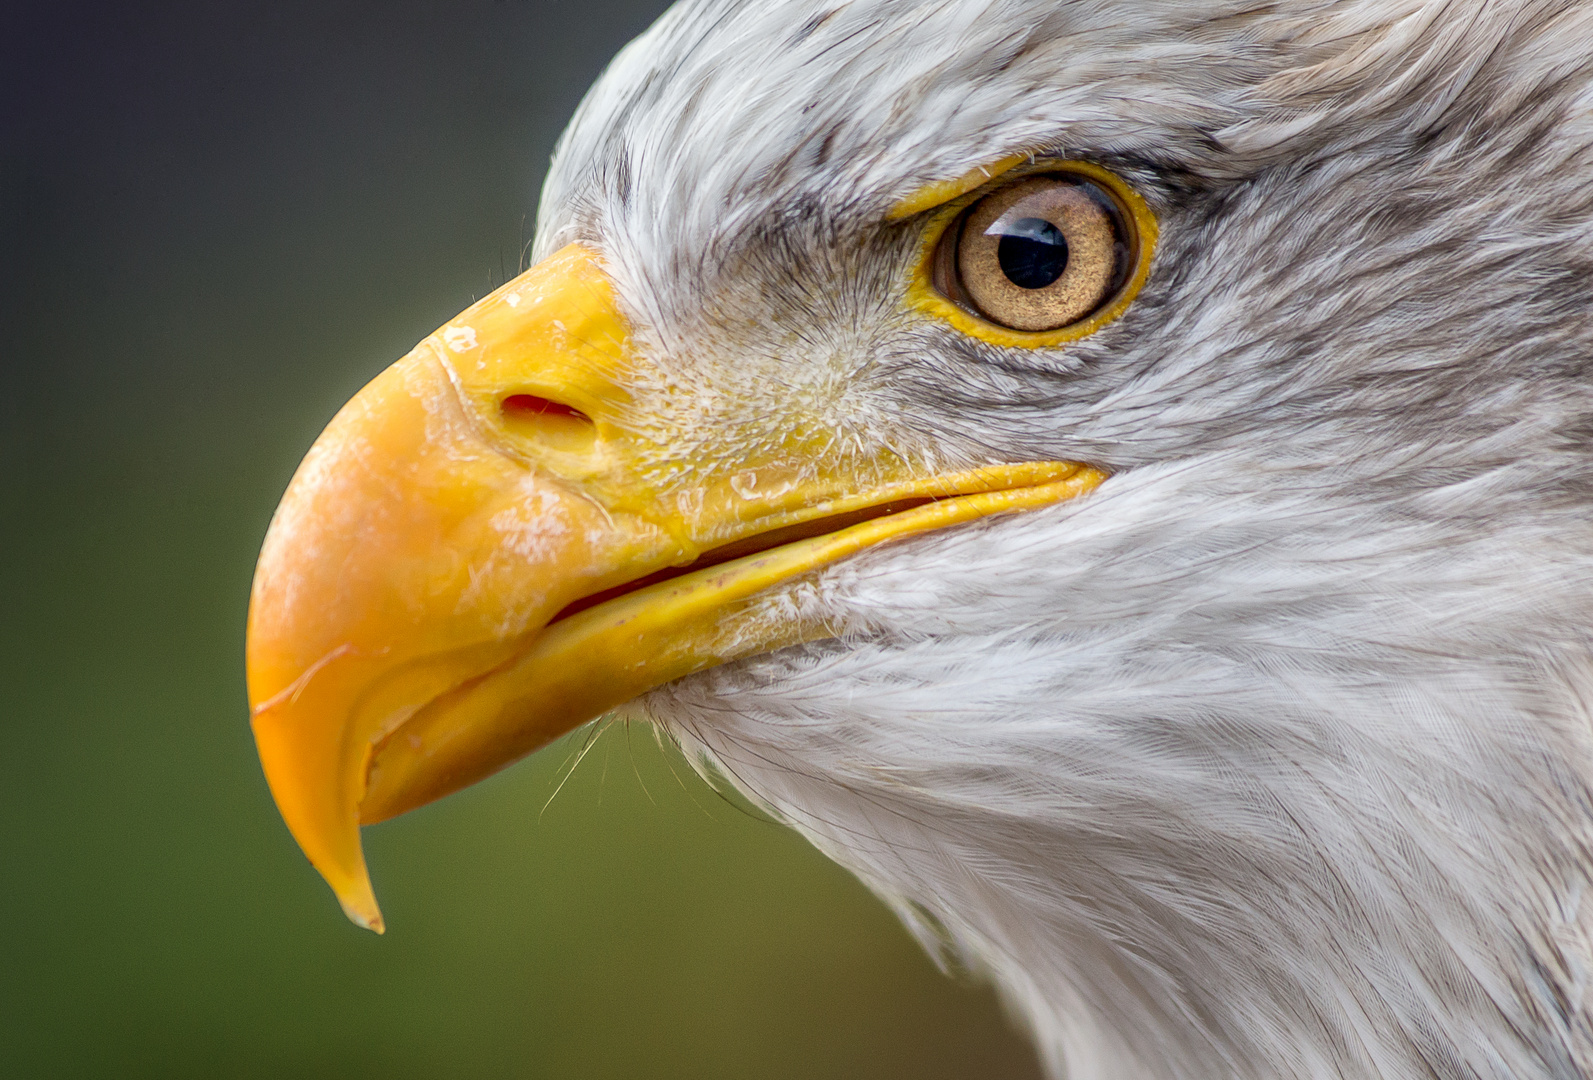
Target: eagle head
[(1115, 476)]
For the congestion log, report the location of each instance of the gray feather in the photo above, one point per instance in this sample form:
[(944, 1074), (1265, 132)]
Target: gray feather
[(1272, 757)]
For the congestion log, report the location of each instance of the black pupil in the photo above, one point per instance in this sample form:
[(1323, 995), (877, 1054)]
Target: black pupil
[(1032, 252)]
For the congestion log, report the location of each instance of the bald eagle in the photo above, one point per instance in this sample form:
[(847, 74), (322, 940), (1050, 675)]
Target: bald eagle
[(1117, 476)]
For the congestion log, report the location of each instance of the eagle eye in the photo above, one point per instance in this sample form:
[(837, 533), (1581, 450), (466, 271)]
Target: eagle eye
[(1062, 250)]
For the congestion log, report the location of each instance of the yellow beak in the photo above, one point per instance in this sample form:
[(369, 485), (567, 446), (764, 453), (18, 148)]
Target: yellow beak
[(485, 550)]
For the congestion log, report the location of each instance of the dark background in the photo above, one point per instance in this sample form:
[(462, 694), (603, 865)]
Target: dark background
[(217, 221)]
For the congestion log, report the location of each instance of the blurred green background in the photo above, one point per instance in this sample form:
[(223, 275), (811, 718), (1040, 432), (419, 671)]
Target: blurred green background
[(217, 221)]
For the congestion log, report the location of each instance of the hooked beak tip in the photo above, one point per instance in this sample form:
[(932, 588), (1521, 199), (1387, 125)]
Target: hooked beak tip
[(362, 910)]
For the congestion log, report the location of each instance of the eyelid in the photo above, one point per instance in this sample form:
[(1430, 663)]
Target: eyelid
[(924, 296), (941, 192)]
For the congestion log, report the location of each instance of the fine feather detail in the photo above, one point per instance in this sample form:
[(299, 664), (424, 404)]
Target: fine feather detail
[(1270, 758)]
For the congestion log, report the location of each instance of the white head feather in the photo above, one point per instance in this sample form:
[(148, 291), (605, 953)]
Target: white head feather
[(1271, 757)]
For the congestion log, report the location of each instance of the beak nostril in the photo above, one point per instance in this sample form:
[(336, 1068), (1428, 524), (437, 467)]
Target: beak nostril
[(525, 406)]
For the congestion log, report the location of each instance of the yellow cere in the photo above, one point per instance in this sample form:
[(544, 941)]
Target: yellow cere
[(473, 560)]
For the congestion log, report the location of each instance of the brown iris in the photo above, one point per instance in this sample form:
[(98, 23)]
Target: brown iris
[(1039, 254)]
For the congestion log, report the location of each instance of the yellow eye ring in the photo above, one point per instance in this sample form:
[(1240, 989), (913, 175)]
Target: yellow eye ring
[(923, 293)]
